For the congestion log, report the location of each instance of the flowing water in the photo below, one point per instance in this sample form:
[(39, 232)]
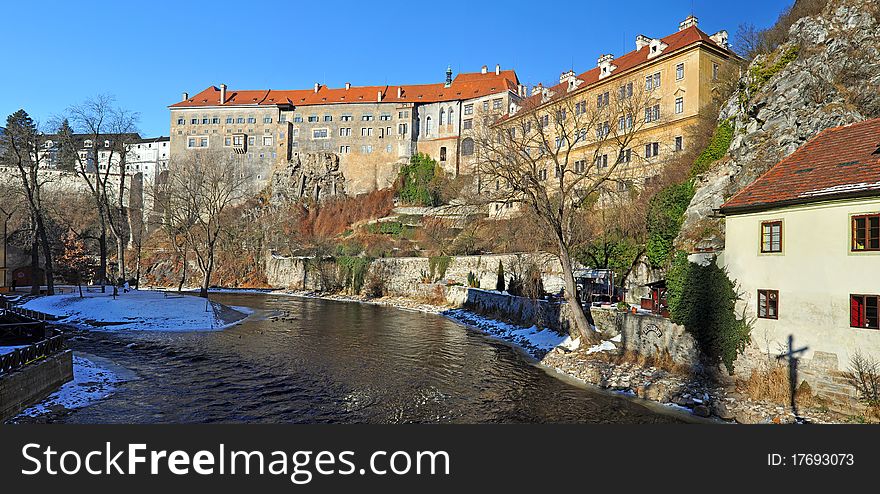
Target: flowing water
[(337, 362)]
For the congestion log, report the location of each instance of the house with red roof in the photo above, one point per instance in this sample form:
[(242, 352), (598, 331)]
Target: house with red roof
[(803, 244), (361, 134)]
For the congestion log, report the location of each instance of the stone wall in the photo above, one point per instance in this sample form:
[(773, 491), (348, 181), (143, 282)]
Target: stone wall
[(647, 334), (404, 274), (33, 382)]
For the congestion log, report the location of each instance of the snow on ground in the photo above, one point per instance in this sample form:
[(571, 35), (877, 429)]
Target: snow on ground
[(10, 349), (137, 310), (605, 346), (535, 341), (90, 383)]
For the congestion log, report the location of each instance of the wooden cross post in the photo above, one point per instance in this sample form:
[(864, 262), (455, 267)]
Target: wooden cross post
[(792, 356)]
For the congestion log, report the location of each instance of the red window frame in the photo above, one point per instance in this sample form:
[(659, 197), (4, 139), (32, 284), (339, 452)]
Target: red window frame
[(864, 311), (871, 234), (769, 296), (768, 247)]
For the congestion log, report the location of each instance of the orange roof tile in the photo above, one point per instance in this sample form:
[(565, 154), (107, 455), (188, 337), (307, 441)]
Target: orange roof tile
[(464, 86), (839, 162)]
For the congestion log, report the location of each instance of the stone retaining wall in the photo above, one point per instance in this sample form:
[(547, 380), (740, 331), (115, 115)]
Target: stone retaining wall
[(647, 334), (33, 382)]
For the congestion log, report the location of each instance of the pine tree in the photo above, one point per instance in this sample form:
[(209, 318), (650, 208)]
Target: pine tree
[(499, 285), (66, 150)]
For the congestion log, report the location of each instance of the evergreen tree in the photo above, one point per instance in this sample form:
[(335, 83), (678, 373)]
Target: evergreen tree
[(499, 285), (66, 150)]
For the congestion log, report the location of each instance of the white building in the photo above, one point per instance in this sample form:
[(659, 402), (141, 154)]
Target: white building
[(803, 244)]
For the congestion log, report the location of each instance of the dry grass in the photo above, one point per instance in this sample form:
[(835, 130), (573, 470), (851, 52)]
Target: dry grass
[(662, 361), (773, 385)]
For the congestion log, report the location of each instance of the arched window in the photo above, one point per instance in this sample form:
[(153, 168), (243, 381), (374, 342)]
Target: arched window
[(467, 146), (442, 116), (450, 116), (429, 126)]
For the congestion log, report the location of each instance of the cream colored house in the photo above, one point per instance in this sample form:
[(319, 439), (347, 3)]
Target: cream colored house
[(803, 244)]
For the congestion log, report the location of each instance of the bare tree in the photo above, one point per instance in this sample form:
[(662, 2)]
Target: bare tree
[(22, 144), (106, 129), (196, 198), (562, 156)]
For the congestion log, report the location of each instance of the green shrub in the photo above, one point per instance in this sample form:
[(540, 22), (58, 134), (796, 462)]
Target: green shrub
[(437, 266), (353, 271), (665, 216), (499, 284), (717, 148), (472, 280), (703, 300), (419, 181)]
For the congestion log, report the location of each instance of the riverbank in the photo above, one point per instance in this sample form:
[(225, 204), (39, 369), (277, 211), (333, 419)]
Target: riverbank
[(138, 310), (602, 365)]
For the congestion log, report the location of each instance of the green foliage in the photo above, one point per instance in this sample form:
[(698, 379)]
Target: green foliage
[(437, 266), (472, 280), (394, 228), (419, 181), (761, 71), (703, 299), (717, 148), (353, 271), (499, 284), (66, 152), (665, 216), (613, 251)]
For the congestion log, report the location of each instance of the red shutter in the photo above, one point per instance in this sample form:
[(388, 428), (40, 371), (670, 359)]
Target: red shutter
[(856, 312)]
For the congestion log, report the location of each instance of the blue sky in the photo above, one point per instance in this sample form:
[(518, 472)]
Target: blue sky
[(147, 53)]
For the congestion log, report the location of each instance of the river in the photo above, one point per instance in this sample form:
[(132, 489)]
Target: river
[(337, 362)]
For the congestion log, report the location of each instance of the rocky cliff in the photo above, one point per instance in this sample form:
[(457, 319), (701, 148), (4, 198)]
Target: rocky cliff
[(308, 176), (826, 74)]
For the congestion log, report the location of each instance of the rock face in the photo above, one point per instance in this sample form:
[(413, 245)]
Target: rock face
[(308, 176), (833, 80)]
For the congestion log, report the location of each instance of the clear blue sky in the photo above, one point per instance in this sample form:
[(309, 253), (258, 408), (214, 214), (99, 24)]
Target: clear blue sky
[(147, 53)]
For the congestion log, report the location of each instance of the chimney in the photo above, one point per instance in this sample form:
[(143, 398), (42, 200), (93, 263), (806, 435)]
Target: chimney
[(399, 92), (379, 96), (317, 86), (222, 93), (691, 21), (642, 41), (605, 58), (347, 86), (185, 96), (484, 69), (567, 75), (537, 89), (521, 90), (497, 69)]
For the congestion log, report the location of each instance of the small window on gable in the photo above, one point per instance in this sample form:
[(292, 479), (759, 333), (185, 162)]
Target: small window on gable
[(771, 236), (768, 304)]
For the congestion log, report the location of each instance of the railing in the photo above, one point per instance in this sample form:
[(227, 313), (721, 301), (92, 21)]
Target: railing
[(23, 356), (27, 313)]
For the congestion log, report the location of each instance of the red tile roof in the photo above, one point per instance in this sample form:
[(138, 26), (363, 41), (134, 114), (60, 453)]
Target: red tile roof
[(633, 59), (464, 86), (839, 162)]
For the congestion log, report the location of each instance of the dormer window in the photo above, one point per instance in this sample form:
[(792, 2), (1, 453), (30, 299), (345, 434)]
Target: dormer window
[(106, 143), (49, 144), (87, 143)]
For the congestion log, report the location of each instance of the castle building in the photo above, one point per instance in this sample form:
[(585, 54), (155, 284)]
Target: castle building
[(660, 91), (369, 131)]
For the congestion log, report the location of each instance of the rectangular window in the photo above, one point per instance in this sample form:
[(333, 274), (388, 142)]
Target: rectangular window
[(469, 109), (297, 118), (267, 120), (768, 304), (679, 143), (771, 236), (366, 132), (714, 71), (863, 311), (346, 118), (679, 105), (344, 149), (625, 156), (282, 118), (401, 129), (486, 105), (652, 149), (345, 132), (313, 118), (194, 121), (497, 103), (203, 142), (239, 120), (385, 117), (467, 124), (227, 141), (319, 133), (866, 232), (267, 140), (229, 120), (367, 118), (679, 72), (252, 120), (328, 118), (366, 149), (180, 121)]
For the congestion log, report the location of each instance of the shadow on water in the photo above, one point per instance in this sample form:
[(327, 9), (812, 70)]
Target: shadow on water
[(316, 361)]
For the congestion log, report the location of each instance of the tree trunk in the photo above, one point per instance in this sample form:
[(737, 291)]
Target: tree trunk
[(120, 255), (102, 252), (182, 275), (47, 258), (582, 325), (206, 281), (35, 266)]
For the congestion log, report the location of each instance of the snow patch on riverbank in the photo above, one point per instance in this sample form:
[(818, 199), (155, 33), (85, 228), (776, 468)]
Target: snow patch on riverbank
[(138, 310), (10, 349), (533, 340), (91, 383)]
